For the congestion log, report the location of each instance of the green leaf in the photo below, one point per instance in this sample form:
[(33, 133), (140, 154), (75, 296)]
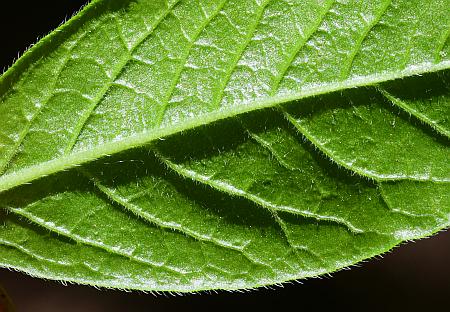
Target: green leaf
[(205, 190)]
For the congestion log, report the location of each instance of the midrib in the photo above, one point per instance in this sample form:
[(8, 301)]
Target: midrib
[(28, 174)]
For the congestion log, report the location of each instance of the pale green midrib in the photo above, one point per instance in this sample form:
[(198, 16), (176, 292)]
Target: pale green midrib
[(28, 174), (425, 119), (95, 101)]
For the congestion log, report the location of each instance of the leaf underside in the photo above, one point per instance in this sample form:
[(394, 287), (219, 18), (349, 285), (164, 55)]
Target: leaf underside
[(195, 145)]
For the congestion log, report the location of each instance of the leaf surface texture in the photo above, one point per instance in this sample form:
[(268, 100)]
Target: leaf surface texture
[(193, 145)]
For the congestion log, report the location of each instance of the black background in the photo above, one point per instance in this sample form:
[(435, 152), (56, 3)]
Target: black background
[(414, 277)]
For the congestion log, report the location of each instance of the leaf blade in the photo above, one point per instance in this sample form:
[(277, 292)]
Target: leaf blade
[(29, 163), (264, 206)]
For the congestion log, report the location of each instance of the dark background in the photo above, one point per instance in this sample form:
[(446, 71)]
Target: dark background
[(414, 277)]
